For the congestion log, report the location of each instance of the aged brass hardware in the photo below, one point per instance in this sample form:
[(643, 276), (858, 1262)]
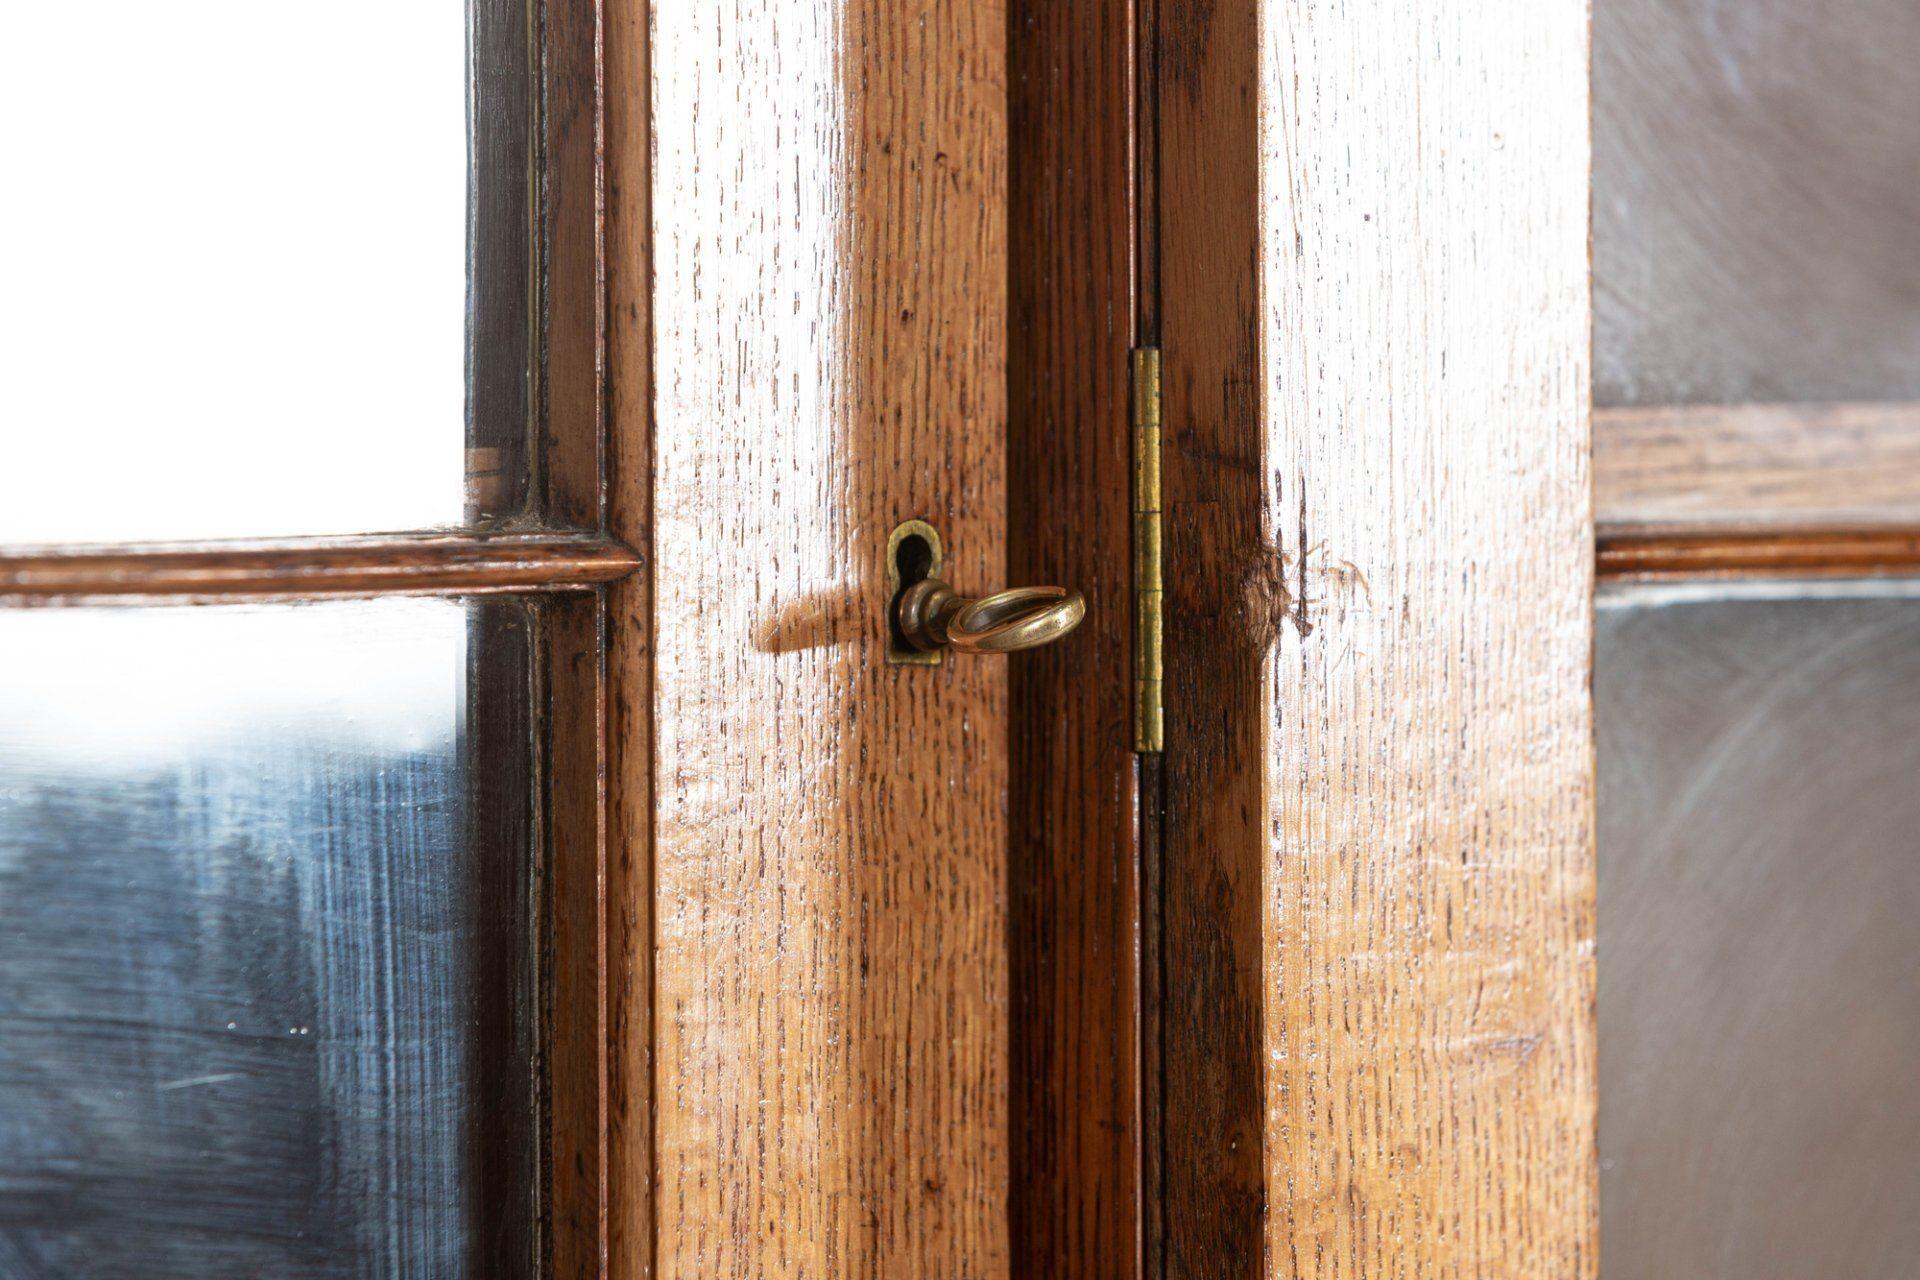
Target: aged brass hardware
[(926, 617), (914, 554), (1149, 597), (934, 616)]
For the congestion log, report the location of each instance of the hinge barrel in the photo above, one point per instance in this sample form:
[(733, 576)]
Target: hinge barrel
[(1149, 593)]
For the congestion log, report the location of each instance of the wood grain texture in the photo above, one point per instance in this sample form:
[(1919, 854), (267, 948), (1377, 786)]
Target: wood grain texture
[(1780, 466), (464, 564), (571, 472), (1725, 491), (1762, 553), (1206, 950), (1150, 769), (829, 918), (626, 79), (570, 482), (570, 673), (1428, 929), (1756, 220), (1074, 892)]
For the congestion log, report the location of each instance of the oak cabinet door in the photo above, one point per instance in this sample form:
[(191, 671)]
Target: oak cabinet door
[(491, 801), (941, 976)]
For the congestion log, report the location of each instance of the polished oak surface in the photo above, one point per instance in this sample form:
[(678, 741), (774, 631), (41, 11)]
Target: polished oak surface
[(1077, 1128), (1205, 954), (1660, 555), (1379, 816), (827, 891), (1787, 467), (627, 784), (308, 567), (1759, 932), (265, 970), (1757, 490)]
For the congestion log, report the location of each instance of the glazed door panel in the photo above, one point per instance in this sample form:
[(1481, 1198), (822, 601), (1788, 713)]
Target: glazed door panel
[(1757, 294)]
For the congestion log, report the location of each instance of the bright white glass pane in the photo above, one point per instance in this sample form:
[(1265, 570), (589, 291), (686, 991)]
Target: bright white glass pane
[(236, 268)]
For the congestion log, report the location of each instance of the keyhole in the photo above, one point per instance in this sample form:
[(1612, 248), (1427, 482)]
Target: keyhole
[(913, 555)]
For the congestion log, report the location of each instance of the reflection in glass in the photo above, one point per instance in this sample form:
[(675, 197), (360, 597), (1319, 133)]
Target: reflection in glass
[(263, 942), (1756, 201), (236, 299), (1759, 941)]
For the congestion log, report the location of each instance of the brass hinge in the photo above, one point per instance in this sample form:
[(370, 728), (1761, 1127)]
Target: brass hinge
[(1148, 593)]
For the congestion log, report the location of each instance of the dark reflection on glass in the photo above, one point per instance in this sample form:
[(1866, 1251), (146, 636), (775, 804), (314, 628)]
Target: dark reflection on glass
[(263, 942), (1759, 942)]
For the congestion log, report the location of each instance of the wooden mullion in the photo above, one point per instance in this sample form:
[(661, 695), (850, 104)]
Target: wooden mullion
[(503, 251), (580, 786), (573, 847), (571, 485), (431, 563), (500, 731), (1761, 466), (1757, 490), (626, 125), (1644, 555)]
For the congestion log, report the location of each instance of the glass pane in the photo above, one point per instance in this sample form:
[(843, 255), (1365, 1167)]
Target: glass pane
[(237, 298), (1759, 936), (265, 968), (1756, 201)]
